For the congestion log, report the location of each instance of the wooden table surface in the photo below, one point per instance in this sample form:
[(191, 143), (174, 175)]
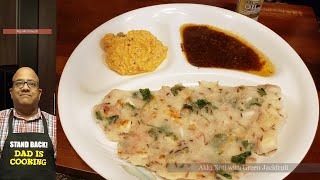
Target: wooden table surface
[(76, 19)]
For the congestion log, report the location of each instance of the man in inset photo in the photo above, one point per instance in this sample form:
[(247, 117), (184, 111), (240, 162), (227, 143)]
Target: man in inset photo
[(27, 134)]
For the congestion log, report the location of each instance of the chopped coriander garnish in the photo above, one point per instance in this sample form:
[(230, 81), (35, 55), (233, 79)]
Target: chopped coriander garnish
[(245, 143), (146, 94), (224, 174), (241, 158), (261, 92), (249, 146), (175, 89), (98, 115), (202, 103), (112, 119), (155, 131), (130, 105), (254, 101)]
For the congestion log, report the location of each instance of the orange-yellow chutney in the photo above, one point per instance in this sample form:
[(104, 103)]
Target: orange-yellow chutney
[(208, 46)]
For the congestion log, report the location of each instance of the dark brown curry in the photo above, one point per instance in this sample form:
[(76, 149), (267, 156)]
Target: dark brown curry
[(207, 46)]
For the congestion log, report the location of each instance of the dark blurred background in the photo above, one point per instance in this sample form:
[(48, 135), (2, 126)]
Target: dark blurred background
[(315, 4)]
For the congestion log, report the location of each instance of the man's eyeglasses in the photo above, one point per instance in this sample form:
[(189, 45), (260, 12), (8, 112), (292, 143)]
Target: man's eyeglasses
[(31, 84)]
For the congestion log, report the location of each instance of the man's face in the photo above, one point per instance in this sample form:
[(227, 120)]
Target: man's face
[(25, 90)]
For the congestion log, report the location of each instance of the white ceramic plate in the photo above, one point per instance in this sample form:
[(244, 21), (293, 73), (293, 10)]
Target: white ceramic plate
[(86, 80)]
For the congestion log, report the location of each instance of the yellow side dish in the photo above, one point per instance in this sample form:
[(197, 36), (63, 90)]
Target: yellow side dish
[(136, 52)]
